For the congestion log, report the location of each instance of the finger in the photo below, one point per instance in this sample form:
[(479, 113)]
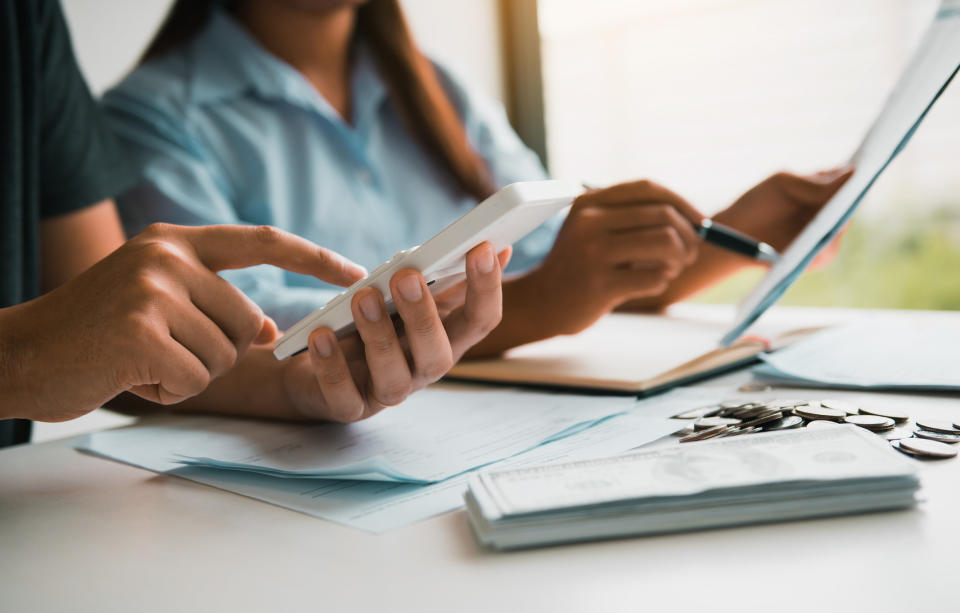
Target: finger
[(269, 331), (390, 377), (810, 191), (639, 282), (483, 307), (659, 244), (173, 375), (225, 247), (240, 318), (630, 218), (832, 173), (639, 192), (203, 338), (343, 400), (505, 256), (454, 297), (429, 346)]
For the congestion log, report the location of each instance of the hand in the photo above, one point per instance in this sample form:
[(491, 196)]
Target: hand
[(620, 243), (356, 377), (151, 318), (779, 208)]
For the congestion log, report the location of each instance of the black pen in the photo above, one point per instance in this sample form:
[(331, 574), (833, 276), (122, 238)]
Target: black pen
[(729, 239), (737, 242)]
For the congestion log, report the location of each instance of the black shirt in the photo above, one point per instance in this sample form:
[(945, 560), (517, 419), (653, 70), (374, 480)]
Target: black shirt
[(56, 153)]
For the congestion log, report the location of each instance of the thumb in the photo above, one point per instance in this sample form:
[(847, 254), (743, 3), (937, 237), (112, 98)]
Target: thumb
[(816, 190)]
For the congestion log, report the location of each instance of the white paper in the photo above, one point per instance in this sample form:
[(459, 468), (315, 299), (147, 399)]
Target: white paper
[(926, 76), (434, 435), (758, 465), (381, 506), (878, 352)]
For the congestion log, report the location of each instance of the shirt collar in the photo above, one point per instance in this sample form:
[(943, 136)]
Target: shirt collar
[(229, 62)]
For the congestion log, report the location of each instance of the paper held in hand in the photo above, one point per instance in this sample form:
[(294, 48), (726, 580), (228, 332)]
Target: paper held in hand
[(763, 478), (927, 75)]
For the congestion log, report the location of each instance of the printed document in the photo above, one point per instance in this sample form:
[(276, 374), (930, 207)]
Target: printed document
[(432, 436), (927, 75), (879, 352), (378, 506)]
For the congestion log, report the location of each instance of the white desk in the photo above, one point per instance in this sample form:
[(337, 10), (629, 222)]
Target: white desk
[(79, 533)]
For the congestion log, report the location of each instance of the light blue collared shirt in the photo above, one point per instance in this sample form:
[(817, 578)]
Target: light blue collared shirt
[(229, 133)]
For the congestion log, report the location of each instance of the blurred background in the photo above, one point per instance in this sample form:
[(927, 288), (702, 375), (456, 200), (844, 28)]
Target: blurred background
[(711, 96), (705, 96)]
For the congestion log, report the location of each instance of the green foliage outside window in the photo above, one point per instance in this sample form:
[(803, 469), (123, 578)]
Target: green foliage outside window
[(883, 262)]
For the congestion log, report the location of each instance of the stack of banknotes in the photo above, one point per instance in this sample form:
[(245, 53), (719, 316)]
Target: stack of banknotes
[(768, 477)]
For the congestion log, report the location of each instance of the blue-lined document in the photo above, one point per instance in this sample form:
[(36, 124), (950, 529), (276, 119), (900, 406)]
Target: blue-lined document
[(880, 352), (379, 506)]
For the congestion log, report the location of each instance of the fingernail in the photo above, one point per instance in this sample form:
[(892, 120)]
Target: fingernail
[(322, 345), (409, 287), (370, 307), (485, 261)]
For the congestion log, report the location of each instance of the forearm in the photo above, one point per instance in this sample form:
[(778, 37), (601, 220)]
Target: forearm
[(14, 397), (529, 315)]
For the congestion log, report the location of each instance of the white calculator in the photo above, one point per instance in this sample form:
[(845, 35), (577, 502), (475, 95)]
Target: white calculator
[(502, 219)]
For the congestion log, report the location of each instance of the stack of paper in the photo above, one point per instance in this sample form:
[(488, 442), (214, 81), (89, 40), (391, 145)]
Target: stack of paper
[(434, 436), (881, 352), (159, 444), (762, 478)]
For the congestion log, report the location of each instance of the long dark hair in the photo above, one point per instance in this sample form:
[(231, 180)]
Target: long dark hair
[(410, 78)]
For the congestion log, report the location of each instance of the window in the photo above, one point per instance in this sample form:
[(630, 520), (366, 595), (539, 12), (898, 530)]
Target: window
[(710, 96)]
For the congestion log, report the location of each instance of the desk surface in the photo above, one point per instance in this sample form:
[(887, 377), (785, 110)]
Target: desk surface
[(83, 534)]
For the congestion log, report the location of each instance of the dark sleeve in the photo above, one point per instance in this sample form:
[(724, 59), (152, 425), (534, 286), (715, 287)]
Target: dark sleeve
[(81, 162)]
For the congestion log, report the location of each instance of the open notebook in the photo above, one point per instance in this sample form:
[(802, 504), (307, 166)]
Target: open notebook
[(624, 353)]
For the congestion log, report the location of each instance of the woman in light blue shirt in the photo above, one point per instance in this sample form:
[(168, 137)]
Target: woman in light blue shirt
[(321, 117)]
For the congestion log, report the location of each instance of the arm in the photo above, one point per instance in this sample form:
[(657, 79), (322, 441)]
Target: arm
[(774, 211), (616, 244), (73, 242), (152, 318), (358, 376)]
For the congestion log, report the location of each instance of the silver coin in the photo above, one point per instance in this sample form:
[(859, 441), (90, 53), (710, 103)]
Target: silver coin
[(704, 434), (822, 423), (841, 405), (685, 431), (893, 414), (765, 418), (738, 430), (874, 423), (784, 423), (705, 423), (927, 448), (733, 404), (750, 411), (697, 413), (943, 437), (937, 425), (814, 412)]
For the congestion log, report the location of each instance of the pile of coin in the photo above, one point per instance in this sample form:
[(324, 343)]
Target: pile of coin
[(923, 438)]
